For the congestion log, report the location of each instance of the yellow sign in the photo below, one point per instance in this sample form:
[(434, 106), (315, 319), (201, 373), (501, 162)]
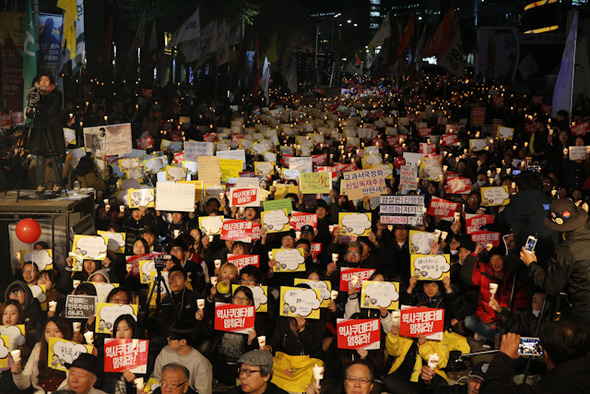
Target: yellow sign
[(62, 352), (315, 182), (43, 258), (230, 168), (430, 267), (375, 295), (353, 223), (289, 260), (495, 196), (297, 301), (90, 247), (275, 221), (106, 314), (324, 286), (209, 169), (283, 190), (260, 294)]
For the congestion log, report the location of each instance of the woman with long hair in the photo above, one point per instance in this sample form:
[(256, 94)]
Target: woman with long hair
[(37, 372)]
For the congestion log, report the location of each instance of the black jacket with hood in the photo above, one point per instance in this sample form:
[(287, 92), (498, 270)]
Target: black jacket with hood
[(33, 315)]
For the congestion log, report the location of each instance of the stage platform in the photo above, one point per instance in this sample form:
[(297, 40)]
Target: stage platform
[(59, 217)]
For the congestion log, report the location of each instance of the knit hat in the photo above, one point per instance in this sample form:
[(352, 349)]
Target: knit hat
[(479, 370), (257, 358), (565, 216)]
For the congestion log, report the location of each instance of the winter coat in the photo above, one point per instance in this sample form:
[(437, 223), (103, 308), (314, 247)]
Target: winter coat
[(48, 123), (569, 271)]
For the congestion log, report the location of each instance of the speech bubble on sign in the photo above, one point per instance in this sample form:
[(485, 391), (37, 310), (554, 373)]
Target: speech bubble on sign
[(430, 267), (15, 336), (62, 352), (289, 260), (115, 241), (108, 313), (211, 224), (90, 247), (420, 242), (260, 298), (380, 295), (298, 301), (494, 196), (40, 257), (275, 221), (355, 223)]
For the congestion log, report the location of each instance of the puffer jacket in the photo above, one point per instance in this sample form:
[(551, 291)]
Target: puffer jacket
[(569, 271)]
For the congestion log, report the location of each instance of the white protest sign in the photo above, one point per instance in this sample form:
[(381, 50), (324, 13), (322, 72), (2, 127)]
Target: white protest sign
[(141, 197), (289, 260), (492, 196), (40, 257), (275, 220), (355, 223), (175, 197), (577, 153), (194, 149), (420, 242), (298, 301), (211, 224), (379, 295), (303, 164), (111, 140), (505, 132)]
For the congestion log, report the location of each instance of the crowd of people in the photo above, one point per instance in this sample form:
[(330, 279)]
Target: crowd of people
[(495, 292)]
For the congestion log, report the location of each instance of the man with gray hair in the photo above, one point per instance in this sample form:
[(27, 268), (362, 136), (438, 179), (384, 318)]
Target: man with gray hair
[(255, 373), (175, 379)]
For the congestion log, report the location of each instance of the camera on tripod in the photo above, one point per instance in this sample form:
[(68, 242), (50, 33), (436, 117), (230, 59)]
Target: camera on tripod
[(160, 261), (34, 95)]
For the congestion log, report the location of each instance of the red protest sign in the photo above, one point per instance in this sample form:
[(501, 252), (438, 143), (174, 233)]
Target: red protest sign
[(427, 148), (242, 260), (474, 222), (449, 139), (319, 160), (255, 231), (420, 320), (245, 197), (441, 207), (236, 230), (234, 318), (145, 142), (210, 137), (134, 261), (580, 129), (331, 169), (478, 116), (178, 157), (486, 237), (424, 131), (358, 333), (123, 354), (457, 185), (316, 248), (350, 275), (5, 121), (300, 219)]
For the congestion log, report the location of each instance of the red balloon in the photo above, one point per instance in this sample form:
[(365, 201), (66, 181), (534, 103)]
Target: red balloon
[(28, 230), (399, 161)]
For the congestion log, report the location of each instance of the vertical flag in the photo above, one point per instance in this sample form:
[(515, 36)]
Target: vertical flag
[(154, 48), (265, 79), (440, 40), (137, 40), (188, 31), (256, 83), (29, 53), (452, 59), (78, 61), (382, 34), (562, 93), (69, 26), (404, 43)]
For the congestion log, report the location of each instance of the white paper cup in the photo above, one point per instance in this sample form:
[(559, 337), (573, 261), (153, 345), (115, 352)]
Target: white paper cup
[(334, 294), (201, 303), (493, 289), (15, 355), (335, 257), (318, 374), (139, 386), (262, 341), (176, 233), (122, 208), (396, 317), (297, 234), (270, 255), (214, 280), (89, 336), (76, 283), (106, 201), (128, 267), (210, 238), (76, 326), (217, 263), (433, 361), (52, 306), (107, 207)]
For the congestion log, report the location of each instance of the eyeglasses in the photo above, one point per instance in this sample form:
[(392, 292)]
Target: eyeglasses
[(353, 253), (171, 386), (247, 372), (17, 292), (119, 301), (176, 249), (362, 381), (241, 298), (248, 281)]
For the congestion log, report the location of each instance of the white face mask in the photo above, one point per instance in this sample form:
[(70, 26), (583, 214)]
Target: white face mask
[(454, 252), (481, 183)]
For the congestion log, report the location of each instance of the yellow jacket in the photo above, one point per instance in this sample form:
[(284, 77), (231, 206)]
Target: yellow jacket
[(398, 347)]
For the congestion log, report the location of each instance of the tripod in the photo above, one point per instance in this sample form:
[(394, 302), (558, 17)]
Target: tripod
[(158, 281)]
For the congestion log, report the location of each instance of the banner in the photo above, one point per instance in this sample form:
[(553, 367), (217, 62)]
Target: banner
[(475, 222), (234, 318), (78, 60), (419, 320), (359, 334), (236, 230), (126, 354), (50, 28), (354, 277), (357, 184), (562, 92), (498, 53), (111, 140), (243, 260), (249, 197), (300, 219), (441, 207), (80, 306), (11, 72), (402, 210), (485, 238)]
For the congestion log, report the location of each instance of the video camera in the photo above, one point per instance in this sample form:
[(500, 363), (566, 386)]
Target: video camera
[(34, 95), (160, 261)]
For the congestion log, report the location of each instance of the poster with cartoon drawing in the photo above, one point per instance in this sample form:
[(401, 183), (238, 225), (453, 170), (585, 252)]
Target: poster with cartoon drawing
[(430, 267), (377, 295), (62, 352), (295, 301), (107, 313), (90, 247), (352, 223)]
